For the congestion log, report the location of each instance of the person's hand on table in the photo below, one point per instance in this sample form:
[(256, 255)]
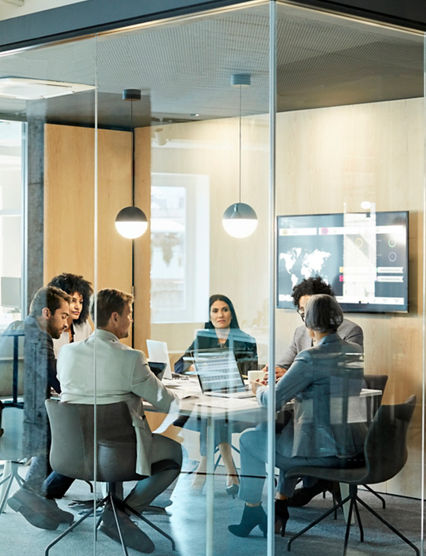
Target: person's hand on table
[(256, 385), (279, 372)]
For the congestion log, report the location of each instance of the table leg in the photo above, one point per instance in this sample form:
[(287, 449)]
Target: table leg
[(344, 492), (210, 487)]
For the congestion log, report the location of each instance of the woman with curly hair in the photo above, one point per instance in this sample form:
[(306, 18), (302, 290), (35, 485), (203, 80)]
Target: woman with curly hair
[(80, 290)]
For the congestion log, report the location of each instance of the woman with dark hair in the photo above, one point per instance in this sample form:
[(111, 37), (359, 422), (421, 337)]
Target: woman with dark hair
[(319, 380), (222, 331), (80, 291)]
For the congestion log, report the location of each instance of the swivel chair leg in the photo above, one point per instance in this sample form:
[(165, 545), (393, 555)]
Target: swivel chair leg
[(377, 495), (348, 526), (318, 520), (114, 511), (73, 526), (358, 517), (148, 522), (391, 527)]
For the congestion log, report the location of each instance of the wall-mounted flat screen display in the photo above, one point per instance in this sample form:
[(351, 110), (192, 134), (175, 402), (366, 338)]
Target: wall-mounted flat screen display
[(363, 256)]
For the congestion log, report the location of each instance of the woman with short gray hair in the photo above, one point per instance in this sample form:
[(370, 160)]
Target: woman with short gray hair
[(323, 313), (311, 438)]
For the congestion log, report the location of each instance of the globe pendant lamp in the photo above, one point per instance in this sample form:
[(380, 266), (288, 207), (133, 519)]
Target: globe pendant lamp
[(131, 222), (239, 219)]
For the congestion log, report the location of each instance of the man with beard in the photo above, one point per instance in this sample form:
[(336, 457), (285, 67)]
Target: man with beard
[(49, 312)]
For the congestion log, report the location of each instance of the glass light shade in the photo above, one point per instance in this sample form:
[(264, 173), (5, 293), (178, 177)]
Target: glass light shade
[(239, 220), (131, 222)]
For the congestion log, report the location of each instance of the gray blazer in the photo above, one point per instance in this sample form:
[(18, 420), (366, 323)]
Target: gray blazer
[(104, 370), (318, 380), (347, 331)]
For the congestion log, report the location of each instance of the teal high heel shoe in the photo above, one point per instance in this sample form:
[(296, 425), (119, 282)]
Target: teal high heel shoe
[(232, 490), (252, 516)]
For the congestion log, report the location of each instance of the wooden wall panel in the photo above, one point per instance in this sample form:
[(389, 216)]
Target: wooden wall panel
[(69, 211), (68, 201), (114, 193), (328, 160)]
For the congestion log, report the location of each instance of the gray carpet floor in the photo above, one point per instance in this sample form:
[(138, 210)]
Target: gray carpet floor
[(186, 522)]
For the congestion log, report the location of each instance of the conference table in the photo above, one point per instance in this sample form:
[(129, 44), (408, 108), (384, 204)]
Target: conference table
[(192, 402)]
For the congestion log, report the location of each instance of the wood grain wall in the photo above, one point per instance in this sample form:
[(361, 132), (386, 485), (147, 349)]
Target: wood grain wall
[(69, 224), (328, 160)]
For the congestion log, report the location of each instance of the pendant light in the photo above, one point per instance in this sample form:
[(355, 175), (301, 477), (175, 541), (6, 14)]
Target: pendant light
[(131, 222), (239, 219)]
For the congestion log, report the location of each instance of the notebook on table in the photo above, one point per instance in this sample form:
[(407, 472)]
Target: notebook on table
[(218, 374)]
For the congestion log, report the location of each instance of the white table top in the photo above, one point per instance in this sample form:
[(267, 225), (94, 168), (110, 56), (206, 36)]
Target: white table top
[(193, 402)]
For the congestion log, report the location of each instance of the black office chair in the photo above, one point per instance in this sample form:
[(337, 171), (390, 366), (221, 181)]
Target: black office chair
[(72, 453), (385, 455), (375, 382)]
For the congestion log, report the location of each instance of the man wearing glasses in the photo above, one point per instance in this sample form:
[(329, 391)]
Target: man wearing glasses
[(348, 330)]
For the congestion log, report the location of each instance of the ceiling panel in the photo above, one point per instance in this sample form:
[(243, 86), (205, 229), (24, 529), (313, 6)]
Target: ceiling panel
[(184, 67)]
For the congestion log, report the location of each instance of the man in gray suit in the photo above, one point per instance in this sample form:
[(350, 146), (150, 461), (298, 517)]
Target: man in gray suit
[(122, 374), (347, 331)]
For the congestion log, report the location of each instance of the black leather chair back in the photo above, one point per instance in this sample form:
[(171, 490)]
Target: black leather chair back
[(374, 382), (73, 439), (385, 445)]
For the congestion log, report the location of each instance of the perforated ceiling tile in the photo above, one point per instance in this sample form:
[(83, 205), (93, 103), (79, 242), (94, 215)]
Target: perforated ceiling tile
[(184, 67)]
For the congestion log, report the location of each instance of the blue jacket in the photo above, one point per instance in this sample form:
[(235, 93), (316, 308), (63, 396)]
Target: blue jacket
[(322, 380)]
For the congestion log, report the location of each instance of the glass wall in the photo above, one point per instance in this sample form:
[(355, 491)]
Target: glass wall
[(350, 165), (191, 127), (44, 193), (174, 117)]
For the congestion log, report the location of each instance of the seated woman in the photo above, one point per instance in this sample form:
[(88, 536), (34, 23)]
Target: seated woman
[(222, 331), (319, 379), (79, 327)]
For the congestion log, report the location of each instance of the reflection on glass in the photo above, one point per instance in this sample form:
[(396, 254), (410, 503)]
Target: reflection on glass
[(168, 220), (11, 172)]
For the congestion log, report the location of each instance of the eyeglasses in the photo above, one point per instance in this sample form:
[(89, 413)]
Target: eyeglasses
[(301, 312)]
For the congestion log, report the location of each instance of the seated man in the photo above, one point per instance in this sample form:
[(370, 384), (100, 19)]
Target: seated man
[(49, 312), (122, 374), (348, 331)]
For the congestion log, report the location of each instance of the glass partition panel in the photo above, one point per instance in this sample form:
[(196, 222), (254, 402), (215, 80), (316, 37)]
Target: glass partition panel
[(199, 139), (47, 103), (350, 206)]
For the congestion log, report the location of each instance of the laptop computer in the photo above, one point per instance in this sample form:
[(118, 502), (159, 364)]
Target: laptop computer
[(157, 368), (218, 374), (158, 351)]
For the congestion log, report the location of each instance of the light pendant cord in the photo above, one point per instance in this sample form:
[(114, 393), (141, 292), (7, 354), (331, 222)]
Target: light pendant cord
[(239, 154), (133, 153), (133, 204)]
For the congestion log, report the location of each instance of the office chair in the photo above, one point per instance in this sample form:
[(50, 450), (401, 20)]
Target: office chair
[(11, 449), (375, 382), (72, 453), (385, 454)]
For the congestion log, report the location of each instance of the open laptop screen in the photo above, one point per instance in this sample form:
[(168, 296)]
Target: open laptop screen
[(217, 371)]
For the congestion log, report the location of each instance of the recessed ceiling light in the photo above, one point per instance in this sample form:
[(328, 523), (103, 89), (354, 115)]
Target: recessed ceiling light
[(24, 88)]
